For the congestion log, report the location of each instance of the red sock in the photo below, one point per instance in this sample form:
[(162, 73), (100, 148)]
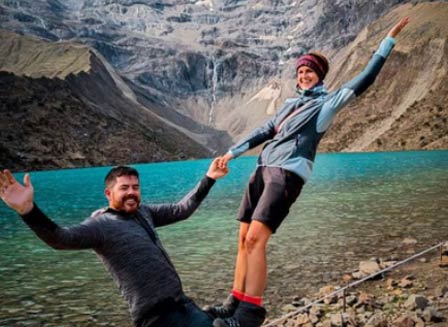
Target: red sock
[(238, 295), (257, 300)]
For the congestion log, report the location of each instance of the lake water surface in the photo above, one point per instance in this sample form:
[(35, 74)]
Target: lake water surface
[(356, 206)]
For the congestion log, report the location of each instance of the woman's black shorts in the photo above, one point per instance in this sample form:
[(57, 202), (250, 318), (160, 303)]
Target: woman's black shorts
[(269, 195)]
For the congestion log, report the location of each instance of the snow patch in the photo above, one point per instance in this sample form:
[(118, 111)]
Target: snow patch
[(270, 93)]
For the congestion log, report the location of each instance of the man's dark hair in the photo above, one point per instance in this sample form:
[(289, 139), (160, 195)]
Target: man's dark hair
[(119, 171)]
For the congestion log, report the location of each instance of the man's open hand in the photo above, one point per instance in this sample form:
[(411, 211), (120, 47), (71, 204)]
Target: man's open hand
[(16, 196)]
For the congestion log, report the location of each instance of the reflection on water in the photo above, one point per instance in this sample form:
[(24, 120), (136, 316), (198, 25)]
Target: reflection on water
[(356, 206)]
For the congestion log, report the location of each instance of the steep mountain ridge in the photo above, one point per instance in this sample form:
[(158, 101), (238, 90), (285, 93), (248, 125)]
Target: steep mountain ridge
[(416, 71), (193, 56), (214, 70), (414, 74), (30, 57), (58, 114)]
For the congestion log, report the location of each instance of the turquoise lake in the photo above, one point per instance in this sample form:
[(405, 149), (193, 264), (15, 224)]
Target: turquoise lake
[(356, 206)]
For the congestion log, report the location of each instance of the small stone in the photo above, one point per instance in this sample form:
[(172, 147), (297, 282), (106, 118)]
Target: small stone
[(430, 314), (445, 248), (369, 267), (416, 302), (397, 292), (409, 241), (324, 291), (365, 299), (289, 308), (314, 319), (387, 264), (338, 320), (404, 321), (391, 283), (302, 319), (301, 302), (377, 320), (350, 300), (393, 257), (347, 278), (361, 319), (444, 262), (351, 318), (441, 291), (389, 307), (384, 300), (358, 275), (327, 290), (361, 309), (406, 283), (316, 311)]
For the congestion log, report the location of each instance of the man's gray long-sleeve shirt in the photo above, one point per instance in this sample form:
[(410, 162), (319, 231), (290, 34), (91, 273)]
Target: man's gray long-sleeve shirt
[(132, 253)]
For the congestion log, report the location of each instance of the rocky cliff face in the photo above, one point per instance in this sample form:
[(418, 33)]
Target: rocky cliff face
[(196, 55), (215, 69), (406, 107), (61, 107)]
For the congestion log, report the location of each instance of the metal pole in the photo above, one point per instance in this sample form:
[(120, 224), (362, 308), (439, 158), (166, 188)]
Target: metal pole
[(292, 314), (441, 252)]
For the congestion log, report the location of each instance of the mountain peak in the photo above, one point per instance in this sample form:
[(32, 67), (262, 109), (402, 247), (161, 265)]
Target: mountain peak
[(32, 57)]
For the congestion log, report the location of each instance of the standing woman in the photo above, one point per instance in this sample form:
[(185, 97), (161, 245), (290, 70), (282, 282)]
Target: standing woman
[(283, 167)]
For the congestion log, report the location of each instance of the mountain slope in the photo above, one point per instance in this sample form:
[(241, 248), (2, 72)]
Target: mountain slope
[(406, 107), (214, 70), (199, 61), (63, 108)]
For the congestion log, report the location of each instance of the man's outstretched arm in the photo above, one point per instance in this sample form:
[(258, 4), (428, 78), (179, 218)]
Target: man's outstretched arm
[(20, 198), (165, 214)]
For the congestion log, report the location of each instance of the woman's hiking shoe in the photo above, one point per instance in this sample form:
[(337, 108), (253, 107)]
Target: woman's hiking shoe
[(225, 310), (246, 315)]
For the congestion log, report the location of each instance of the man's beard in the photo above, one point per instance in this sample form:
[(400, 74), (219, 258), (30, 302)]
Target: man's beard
[(130, 197)]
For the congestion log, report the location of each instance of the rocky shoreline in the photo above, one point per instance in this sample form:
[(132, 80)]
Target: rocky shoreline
[(414, 294)]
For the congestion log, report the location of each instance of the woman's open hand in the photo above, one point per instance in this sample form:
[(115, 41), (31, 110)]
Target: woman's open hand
[(398, 27)]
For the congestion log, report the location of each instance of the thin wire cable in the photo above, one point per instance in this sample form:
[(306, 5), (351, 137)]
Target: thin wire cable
[(292, 314)]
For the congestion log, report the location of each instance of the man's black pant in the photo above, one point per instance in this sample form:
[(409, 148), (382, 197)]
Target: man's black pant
[(184, 314)]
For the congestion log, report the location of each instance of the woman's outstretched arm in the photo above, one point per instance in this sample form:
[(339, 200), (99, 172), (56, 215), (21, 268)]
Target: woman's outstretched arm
[(355, 87)]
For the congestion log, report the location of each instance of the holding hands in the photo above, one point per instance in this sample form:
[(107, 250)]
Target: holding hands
[(16, 196), (216, 171), (223, 161)]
